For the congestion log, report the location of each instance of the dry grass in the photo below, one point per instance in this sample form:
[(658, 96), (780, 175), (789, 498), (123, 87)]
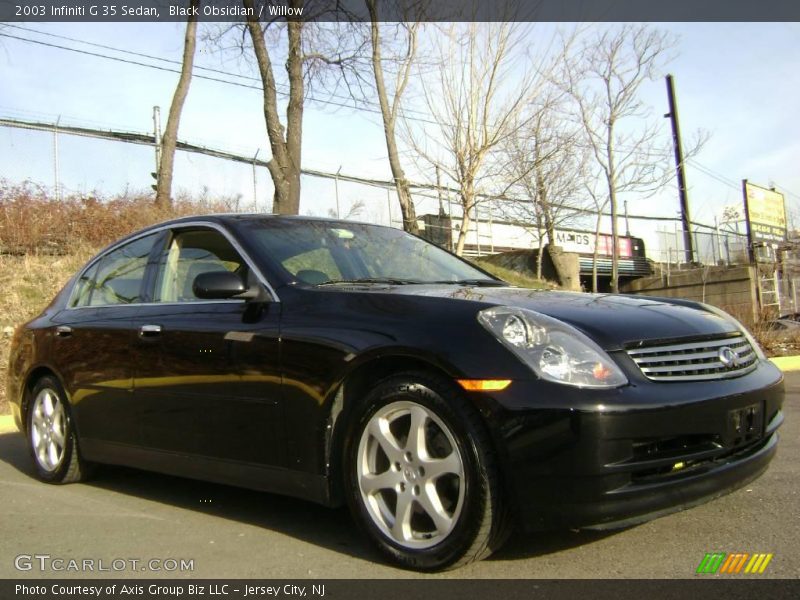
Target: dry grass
[(775, 342), (29, 282), (31, 221), (43, 242), (515, 277)]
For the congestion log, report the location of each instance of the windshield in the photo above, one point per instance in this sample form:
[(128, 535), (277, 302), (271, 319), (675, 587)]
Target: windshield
[(330, 252)]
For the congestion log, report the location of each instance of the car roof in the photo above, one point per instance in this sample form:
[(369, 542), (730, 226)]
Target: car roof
[(227, 218)]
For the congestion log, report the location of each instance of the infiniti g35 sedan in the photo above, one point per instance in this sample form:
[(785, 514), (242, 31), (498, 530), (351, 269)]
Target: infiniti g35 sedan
[(350, 363)]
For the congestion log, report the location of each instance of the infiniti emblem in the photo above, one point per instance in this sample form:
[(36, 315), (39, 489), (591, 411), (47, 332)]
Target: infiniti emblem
[(728, 357)]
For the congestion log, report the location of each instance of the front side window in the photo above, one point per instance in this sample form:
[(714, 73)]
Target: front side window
[(116, 278), (189, 254)]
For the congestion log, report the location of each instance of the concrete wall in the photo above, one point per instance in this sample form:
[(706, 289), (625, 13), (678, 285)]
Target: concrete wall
[(730, 288), (567, 267)]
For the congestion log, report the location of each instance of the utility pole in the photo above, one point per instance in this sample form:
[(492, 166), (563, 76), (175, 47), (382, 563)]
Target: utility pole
[(157, 140), (627, 222), (55, 160), (681, 173), (255, 182), (439, 191), (336, 187), (751, 252)]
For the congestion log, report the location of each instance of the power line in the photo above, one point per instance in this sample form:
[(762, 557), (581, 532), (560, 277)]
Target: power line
[(425, 190), (713, 175), (736, 185), (157, 57), (367, 107), (363, 105)]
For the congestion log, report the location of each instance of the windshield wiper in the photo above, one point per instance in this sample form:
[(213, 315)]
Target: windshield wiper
[(379, 280), (398, 281), (475, 282)]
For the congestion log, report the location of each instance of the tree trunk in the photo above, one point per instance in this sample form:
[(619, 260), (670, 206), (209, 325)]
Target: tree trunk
[(596, 249), (294, 114), (540, 256), (544, 203), (389, 121), (286, 145), (614, 241), (462, 234), (611, 176), (170, 137)]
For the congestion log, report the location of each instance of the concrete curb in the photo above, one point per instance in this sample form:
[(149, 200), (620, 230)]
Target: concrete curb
[(787, 363), (7, 424)]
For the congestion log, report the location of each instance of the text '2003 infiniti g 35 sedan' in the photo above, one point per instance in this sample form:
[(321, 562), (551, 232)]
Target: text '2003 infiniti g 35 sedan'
[(351, 363)]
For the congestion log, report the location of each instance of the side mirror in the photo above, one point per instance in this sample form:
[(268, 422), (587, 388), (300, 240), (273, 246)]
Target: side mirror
[(218, 285)]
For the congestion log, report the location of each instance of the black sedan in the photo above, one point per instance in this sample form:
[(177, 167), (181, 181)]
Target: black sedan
[(351, 363)]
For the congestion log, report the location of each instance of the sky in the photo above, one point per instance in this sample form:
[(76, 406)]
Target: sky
[(740, 82)]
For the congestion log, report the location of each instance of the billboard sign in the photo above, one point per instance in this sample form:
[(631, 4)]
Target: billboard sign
[(582, 242), (766, 213)]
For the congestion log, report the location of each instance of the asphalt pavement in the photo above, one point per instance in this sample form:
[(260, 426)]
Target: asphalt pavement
[(125, 518)]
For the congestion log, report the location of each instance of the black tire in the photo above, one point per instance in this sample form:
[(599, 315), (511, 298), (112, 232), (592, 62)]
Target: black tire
[(467, 501), (55, 431)]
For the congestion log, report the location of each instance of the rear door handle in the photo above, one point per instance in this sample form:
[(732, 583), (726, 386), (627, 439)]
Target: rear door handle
[(149, 330), (63, 331)]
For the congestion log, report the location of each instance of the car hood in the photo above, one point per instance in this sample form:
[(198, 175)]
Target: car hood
[(613, 321)]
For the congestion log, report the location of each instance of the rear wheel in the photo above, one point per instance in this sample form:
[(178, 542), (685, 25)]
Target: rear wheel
[(422, 482), (51, 435)]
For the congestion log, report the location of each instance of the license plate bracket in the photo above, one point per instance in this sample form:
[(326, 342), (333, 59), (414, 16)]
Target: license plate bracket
[(745, 424)]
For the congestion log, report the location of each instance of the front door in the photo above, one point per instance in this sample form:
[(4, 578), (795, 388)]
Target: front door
[(207, 377)]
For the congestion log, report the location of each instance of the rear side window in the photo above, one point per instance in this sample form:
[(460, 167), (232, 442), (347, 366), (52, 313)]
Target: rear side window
[(83, 288), (116, 278)]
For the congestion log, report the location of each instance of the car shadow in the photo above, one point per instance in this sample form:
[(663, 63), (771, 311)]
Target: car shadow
[(331, 528), (524, 546)]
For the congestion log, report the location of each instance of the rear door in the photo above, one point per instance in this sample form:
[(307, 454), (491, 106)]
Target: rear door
[(93, 343)]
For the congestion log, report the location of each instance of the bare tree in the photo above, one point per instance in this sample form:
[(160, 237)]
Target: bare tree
[(312, 52), (479, 90), (285, 142), (355, 210), (600, 201), (390, 106), (604, 83), (170, 137), (545, 168)]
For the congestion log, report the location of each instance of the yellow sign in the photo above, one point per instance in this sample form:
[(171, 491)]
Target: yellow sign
[(766, 213)]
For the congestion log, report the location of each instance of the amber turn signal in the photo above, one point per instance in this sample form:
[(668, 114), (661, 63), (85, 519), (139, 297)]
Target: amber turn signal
[(484, 385)]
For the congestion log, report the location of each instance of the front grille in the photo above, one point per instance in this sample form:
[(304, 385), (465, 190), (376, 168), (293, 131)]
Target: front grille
[(695, 361)]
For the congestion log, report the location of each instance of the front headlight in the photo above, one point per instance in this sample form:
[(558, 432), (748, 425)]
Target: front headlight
[(554, 350)]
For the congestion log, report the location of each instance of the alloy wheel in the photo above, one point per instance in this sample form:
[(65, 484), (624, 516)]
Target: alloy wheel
[(411, 475), (48, 429)]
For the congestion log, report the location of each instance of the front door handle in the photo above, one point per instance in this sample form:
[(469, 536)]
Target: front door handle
[(63, 331), (149, 330)]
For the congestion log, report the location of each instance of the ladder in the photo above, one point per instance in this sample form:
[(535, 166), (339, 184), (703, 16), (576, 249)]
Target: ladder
[(769, 293)]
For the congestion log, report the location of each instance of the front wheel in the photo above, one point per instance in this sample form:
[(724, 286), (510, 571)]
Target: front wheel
[(51, 435), (422, 482)]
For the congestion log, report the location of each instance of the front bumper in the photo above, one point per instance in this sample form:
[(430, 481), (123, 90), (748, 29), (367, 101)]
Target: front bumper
[(604, 459)]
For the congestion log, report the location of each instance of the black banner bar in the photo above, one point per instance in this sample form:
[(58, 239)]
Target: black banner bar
[(733, 588), (106, 11)]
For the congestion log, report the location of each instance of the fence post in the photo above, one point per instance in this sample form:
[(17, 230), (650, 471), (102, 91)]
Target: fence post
[(55, 160)]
